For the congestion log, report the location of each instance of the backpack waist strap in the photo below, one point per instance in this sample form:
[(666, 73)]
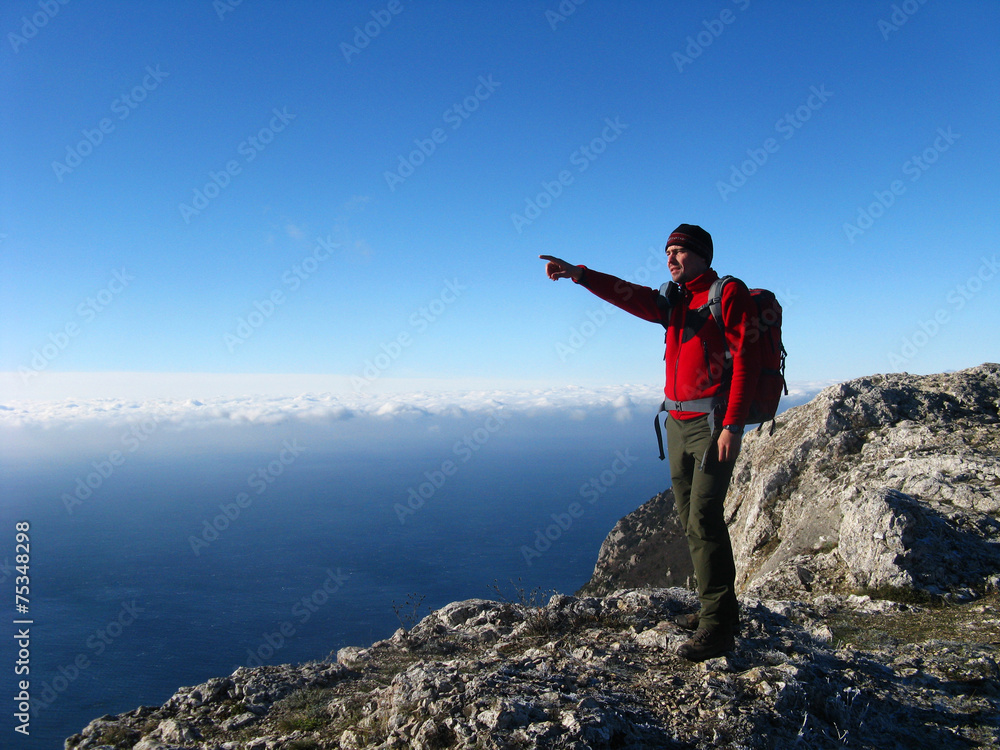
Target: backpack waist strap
[(709, 406)]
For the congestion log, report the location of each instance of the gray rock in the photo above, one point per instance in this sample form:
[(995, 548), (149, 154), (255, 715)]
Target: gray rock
[(890, 480), (645, 548), (238, 722), (147, 743), (351, 656), (172, 731)]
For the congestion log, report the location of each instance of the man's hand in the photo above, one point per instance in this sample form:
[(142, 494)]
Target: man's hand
[(556, 268), (729, 446)]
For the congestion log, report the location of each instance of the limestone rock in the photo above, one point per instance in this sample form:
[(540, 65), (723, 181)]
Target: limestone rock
[(884, 481), (172, 731), (645, 548)]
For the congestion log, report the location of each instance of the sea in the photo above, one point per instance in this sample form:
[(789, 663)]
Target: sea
[(182, 560)]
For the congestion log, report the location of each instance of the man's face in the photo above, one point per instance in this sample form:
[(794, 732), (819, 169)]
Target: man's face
[(684, 265)]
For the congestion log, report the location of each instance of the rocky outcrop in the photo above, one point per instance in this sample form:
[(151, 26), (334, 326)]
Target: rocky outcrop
[(891, 481), (888, 481), (645, 548), (866, 534)]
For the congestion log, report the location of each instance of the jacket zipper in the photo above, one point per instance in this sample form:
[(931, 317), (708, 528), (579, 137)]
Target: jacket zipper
[(680, 333)]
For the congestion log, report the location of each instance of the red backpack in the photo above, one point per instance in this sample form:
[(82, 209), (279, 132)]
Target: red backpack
[(767, 336)]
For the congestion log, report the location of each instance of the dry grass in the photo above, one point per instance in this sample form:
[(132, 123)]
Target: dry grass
[(970, 622)]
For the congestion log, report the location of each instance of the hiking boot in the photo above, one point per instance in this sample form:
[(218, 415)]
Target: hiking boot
[(706, 643), (688, 622)]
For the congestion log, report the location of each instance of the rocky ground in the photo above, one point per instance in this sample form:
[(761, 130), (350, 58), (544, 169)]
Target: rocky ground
[(867, 537), (601, 673)]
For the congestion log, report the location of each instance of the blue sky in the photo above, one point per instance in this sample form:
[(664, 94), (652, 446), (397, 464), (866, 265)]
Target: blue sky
[(360, 190)]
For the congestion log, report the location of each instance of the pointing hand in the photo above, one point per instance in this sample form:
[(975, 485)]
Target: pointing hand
[(556, 269)]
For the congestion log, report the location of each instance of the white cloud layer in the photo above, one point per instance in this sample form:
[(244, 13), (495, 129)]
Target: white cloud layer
[(38, 431), (34, 429), (320, 408), (620, 402)]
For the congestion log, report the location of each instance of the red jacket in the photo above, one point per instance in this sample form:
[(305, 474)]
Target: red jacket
[(695, 346)]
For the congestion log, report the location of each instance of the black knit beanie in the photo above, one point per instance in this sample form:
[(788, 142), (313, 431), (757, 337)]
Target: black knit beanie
[(693, 238)]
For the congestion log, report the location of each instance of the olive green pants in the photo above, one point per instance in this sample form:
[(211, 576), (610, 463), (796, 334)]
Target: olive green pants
[(699, 496)]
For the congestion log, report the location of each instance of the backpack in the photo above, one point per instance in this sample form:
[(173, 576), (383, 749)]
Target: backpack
[(766, 335)]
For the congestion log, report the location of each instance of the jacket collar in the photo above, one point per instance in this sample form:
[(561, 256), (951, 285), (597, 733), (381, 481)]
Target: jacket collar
[(700, 283)]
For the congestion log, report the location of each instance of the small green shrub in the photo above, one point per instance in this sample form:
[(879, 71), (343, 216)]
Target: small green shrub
[(304, 710), (119, 736), (303, 743), (301, 721)]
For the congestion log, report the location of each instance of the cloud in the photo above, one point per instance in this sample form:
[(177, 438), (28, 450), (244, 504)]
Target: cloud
[(621, 403), (325, 407), (54, 429), (326, 421)]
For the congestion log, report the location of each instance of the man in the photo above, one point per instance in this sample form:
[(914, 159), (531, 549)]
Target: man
[(710, 378)]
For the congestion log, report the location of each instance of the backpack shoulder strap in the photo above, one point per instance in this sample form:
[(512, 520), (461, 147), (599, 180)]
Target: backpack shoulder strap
[(714, 303), (665, 300)]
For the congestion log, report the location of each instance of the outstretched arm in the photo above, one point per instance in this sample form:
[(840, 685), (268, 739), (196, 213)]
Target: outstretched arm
[(556, 269), (641, 301)]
